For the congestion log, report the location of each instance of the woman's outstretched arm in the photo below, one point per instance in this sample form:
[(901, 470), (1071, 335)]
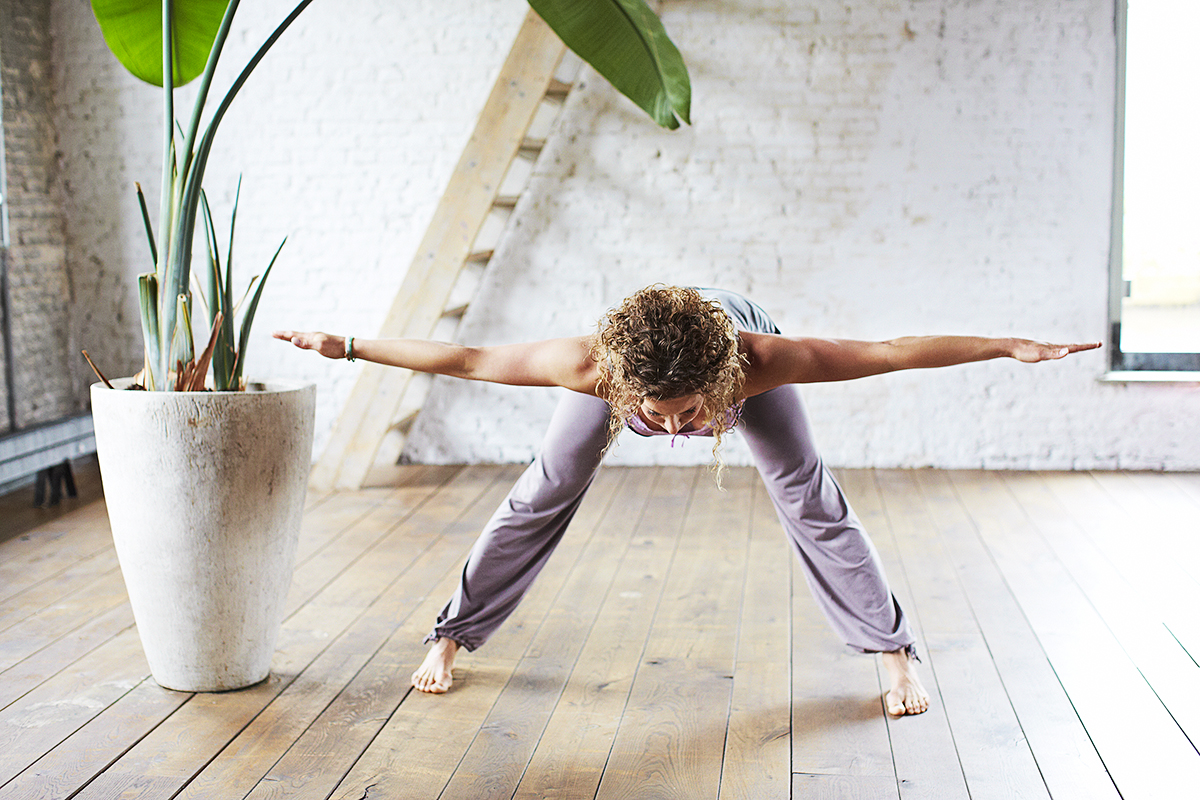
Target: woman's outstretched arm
[(776, 360), (552, 362)]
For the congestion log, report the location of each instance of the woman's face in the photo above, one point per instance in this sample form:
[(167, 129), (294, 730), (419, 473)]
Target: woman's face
[(673, 415)]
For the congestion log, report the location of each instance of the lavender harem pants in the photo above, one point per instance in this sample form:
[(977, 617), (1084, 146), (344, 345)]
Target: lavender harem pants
[(839, 562)]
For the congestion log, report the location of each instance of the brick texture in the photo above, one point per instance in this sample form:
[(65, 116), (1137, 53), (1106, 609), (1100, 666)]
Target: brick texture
[(40, 292), (864, 170)]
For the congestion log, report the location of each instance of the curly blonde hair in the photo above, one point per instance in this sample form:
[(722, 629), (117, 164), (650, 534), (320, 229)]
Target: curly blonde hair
[(666, 342)]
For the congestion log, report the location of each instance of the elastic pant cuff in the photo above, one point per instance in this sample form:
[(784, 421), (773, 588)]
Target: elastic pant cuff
[(435, 635)]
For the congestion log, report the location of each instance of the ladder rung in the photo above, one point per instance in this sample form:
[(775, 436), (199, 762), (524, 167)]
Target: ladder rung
[(480, 256), (557, 88), (506, 201), (456, 311), (406, 422), (531, 145)]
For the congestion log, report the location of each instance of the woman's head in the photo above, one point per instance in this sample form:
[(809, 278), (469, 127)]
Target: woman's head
[(666, 343)]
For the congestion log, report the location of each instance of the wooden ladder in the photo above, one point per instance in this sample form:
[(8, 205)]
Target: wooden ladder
[(448, 267)]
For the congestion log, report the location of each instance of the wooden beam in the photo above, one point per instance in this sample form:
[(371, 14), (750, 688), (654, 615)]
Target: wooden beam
[(524, 79)]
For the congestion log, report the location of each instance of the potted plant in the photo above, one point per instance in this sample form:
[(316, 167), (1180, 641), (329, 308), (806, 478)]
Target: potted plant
[(205, 489), (205, 480)]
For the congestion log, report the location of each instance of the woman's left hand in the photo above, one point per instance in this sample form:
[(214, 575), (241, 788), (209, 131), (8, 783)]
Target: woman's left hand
[(1032, 352)]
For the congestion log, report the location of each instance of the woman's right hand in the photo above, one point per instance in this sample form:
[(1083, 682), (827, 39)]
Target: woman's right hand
[(326, 344)]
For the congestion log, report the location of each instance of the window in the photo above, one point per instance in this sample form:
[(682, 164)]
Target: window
[(1154, 304)]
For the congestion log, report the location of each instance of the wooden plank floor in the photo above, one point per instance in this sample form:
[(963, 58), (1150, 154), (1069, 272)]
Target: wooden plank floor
[(669, 650)]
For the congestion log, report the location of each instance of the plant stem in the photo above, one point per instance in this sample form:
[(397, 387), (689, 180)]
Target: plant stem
[(164, 219), (96, 370)]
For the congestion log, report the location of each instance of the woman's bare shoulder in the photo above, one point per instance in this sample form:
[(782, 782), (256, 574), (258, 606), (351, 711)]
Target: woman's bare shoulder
[(580, 372), (771, 360)]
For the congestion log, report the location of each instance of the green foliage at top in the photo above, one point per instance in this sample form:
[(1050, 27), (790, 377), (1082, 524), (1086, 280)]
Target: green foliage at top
[(133, 31), (625, 42)]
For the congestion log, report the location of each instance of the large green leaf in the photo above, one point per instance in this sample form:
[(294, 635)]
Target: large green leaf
[(133, 31), (625, 42)]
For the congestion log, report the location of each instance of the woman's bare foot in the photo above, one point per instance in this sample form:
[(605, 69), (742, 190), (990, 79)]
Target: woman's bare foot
[(433, 675), (907, 695)]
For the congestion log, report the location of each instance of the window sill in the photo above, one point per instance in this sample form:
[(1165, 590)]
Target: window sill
[(1150, 376)]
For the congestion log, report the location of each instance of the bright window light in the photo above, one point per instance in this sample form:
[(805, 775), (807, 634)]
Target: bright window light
[(1161, 233)]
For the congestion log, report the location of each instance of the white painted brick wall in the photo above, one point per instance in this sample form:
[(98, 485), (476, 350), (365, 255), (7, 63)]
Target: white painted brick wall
[(863, 170)]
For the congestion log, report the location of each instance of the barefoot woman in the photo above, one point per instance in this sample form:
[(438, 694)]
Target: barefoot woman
[(677, 361)]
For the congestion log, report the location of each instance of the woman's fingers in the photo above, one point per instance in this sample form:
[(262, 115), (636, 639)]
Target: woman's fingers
[(305, 341), (295, 337), (1061, 350), (323, 343), (1032, 352)]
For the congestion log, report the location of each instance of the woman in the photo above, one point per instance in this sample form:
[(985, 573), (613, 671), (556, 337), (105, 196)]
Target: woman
[(679, 361)]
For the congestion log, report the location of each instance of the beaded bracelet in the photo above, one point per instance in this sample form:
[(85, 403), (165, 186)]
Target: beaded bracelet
[(349, 348)]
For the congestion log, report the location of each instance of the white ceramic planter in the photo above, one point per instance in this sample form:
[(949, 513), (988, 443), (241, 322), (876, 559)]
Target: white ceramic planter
[(205, 492)]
